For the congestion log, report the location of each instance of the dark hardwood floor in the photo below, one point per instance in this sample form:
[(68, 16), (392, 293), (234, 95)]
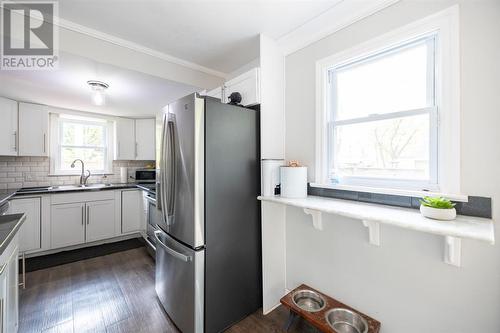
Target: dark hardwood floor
[(112, 293)]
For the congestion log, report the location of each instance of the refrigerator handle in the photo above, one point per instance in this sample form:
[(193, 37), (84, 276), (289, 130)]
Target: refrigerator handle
[(172, 163), (160, 193), (170, 251)]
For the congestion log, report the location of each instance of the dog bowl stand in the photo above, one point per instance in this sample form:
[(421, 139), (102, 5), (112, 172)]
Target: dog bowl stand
[(317, 319)]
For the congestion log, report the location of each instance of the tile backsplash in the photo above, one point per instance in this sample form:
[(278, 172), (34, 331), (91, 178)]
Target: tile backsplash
[(17, 172)]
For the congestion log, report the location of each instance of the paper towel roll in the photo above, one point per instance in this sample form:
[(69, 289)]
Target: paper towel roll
[(293, 182), (270, 175), (123, 175)]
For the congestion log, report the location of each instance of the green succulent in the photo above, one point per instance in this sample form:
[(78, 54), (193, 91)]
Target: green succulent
[(434, 202)]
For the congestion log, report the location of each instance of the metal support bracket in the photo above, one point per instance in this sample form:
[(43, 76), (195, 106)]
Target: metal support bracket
[(316, 217), (373, 232), (452, 250)]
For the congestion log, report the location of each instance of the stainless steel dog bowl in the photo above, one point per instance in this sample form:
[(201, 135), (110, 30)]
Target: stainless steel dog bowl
[(346, 321), (308, 300)]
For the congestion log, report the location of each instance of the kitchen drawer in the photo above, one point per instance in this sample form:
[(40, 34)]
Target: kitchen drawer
[(62, 198)]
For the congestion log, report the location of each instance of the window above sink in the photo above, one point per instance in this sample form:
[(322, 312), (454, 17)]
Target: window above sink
[(76, 137)]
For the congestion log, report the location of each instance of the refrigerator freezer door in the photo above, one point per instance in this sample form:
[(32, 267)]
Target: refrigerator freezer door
[(182, 171), (180, 282)]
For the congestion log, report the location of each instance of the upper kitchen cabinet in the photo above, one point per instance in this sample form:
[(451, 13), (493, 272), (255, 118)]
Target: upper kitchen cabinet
[(135, 139), (217, 93), (33, 130), (247, 84), (8, 127), (125, 139), (145, 139)]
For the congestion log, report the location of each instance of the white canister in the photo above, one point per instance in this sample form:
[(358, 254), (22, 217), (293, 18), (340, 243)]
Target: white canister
[(123, 175), (293, 182), (270, 175)]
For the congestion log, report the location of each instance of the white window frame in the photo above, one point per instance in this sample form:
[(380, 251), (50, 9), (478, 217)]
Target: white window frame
[(55, 147), (447, 100)]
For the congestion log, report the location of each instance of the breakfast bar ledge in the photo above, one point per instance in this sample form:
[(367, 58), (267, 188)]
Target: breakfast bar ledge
[(274, 280), (372, 215)]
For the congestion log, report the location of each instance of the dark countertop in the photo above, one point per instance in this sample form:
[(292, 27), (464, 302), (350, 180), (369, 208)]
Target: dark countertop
[(9, 226), (6, 195), (72, 188)]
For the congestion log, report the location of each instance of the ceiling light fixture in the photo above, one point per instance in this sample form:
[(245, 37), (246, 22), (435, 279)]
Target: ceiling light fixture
[(98, 96)]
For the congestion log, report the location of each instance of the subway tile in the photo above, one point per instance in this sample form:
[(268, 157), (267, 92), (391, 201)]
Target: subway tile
[(14, 174), (14, 185), (22, 168), (14, 163)]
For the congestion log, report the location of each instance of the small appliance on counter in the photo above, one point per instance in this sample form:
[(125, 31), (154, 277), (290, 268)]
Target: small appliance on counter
[(142, 176), (293, 180)]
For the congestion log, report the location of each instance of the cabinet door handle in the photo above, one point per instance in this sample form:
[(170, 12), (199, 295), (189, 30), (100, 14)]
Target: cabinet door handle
[(136, 144), (83, 215), (44, 142), (15, 140), (88, 215)]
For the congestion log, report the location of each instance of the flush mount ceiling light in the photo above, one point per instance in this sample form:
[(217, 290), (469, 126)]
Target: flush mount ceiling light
[(98, 92)]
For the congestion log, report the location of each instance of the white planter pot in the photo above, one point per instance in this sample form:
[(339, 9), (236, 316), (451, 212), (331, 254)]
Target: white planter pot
[(438, 213)]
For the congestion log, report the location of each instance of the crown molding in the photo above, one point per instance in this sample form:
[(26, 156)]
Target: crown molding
[(136, 47), (341, 15)]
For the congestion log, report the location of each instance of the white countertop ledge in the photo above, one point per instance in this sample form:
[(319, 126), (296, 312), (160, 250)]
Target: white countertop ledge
[(476, 228)]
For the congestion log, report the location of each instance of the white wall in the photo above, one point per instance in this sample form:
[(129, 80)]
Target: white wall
[(404, 282)]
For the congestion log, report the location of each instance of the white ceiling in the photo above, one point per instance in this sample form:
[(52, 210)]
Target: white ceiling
[(130, 93), (221, 35)]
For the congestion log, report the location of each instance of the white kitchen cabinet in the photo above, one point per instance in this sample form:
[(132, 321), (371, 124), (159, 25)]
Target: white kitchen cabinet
[(12, 293), (3, 297), (100, 219), (247, 84), (145, 139), (125, 139), (9, 286), (29, 234), (81, 222), (33, 130), (8, 127), (217, 93), (132, 211), (67, 224)]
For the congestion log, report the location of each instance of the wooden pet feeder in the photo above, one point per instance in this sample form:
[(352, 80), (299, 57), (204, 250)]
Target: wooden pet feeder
[(325, 313)]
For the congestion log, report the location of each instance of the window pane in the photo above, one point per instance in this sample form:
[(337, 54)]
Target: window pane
[(393, 148), (82, 134), (93, 157), (393, 82)]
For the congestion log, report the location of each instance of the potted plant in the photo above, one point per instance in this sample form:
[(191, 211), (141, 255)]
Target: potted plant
[(438, 208)]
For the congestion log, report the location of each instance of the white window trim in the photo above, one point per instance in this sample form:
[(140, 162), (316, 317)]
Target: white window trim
[(55, 152), (446, 25)]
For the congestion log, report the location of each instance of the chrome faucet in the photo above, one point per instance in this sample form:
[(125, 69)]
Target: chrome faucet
[(83, 177)]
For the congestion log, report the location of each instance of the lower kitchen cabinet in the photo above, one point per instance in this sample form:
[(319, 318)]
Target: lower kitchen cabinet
[(12, 293), (132, 211), (30, 232), (100, 217), (81, 222), (67, 224), (9, 288)]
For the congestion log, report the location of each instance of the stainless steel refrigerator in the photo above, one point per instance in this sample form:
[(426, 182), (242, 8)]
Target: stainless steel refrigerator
[(208, 253)]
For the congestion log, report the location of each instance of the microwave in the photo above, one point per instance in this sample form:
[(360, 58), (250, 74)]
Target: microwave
[(145, 176)]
